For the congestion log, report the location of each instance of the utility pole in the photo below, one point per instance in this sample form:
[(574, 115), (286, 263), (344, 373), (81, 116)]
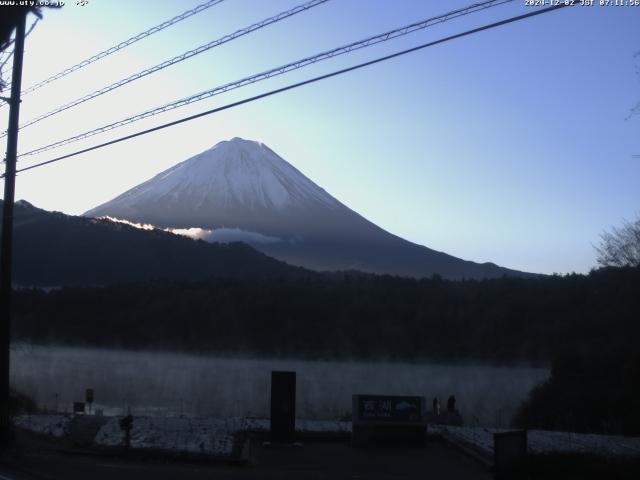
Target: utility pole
[(6, 434)]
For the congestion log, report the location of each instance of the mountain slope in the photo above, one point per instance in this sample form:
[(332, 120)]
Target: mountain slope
[(244, 185), (52, 249)]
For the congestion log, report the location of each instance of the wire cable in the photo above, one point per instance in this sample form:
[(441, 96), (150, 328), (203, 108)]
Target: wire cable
[(8, 44), (4, 62), (33, 25), (123, 44), (299, 84), (167, 63), (383, 37)]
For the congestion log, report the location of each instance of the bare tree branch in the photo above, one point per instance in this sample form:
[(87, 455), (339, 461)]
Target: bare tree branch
[(621, 246)]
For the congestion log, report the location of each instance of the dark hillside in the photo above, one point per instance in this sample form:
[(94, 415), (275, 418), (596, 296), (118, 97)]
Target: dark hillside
[(53, 249)]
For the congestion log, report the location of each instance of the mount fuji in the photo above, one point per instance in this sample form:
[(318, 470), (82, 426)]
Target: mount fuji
[(242, 190)]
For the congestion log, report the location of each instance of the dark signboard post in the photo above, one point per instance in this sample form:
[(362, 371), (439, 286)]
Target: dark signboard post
[(387, 419), (283, 406), (78, 407)]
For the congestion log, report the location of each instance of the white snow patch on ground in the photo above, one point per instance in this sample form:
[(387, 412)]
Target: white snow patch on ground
[(47, 424), (541, 441), (215, 436), (209, 436)]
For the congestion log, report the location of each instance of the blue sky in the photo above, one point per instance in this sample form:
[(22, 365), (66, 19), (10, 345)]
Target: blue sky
[(511, 146)]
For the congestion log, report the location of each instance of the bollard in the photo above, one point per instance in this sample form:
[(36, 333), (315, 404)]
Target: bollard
[(283, 406)]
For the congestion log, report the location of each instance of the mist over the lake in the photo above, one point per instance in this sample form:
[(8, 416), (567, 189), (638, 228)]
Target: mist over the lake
[(154, 383)]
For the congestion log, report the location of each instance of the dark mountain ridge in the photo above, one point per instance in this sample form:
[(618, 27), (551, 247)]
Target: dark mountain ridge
[(54, 249)]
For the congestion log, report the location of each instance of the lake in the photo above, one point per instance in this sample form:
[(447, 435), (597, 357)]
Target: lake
[(157, 383)]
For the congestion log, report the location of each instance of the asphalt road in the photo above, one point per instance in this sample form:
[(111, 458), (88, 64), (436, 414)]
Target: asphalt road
[(312, 460)]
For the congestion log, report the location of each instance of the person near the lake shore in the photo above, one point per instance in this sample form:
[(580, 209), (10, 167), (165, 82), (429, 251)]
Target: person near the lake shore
[(451, 404), (436, 406)]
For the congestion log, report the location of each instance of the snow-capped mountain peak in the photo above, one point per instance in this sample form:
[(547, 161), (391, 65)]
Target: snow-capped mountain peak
[(234, 172), (245, 188)]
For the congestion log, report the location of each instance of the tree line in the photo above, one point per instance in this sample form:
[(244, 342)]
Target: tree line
[(346, 316)]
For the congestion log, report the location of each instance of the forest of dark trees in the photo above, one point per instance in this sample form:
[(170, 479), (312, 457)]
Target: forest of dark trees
[(593, 392), (347, 316)]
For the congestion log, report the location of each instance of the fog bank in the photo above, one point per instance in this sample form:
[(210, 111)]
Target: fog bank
[(169, 383)]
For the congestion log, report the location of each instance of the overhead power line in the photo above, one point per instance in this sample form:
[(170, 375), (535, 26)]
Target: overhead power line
[(33, 25), (6, 59), (123, 44), (8, 44), (299, 84), (383, 37), (167, 63)]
